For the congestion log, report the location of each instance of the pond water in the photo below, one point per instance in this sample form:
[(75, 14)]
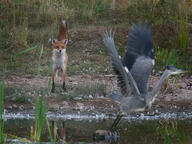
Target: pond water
[(133, 131)]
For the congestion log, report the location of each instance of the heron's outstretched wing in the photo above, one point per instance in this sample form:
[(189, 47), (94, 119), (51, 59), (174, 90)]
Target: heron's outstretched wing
[(126, 82), (139, 43), (139, 57)]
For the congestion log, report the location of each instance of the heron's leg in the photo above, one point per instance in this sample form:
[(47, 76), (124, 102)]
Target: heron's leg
[(116, 121)]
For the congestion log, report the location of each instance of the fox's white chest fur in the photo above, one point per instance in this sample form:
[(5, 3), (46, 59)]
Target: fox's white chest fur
[(59, 60)]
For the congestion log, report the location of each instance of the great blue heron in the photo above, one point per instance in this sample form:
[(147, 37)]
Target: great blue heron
[(134, 69)]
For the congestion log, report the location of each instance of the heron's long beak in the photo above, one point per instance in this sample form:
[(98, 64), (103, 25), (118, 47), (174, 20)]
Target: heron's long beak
[(179, 71)]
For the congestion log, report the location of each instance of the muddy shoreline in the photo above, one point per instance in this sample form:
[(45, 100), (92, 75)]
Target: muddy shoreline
[(175, 96)]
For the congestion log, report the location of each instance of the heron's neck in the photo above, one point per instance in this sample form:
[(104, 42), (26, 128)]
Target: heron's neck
[(155, 92)]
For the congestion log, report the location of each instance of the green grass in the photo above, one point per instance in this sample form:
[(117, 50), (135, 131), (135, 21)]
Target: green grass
[(25, 25), (183, 27)]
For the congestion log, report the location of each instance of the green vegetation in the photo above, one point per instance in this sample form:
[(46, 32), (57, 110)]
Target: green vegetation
[(40, 117), (29, 26), (172, 132), (40, 104), (2, 137)]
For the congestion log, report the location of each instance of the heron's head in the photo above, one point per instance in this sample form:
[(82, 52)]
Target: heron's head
[(173, 70)]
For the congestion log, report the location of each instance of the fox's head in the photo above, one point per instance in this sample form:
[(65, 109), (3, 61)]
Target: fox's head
[(59, 47)]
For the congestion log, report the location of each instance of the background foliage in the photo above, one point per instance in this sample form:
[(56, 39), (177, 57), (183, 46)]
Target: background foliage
[(28, 23)]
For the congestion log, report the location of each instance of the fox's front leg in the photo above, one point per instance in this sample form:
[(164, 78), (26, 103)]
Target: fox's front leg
[(53, 80), (64, 66), (63, 77)]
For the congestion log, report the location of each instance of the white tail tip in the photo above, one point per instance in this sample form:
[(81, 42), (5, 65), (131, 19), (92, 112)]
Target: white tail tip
[(63, 22)]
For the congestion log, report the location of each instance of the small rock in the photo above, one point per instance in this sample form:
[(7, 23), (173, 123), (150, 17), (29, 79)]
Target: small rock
[(9, 107), (55, 106), (90, 96), (79, 106), (14, 106), (13, 99), (182, 85), (78, 98), (65, 105), (21, 107)]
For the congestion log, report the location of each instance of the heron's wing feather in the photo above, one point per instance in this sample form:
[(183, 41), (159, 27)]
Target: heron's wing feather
[(139, 43), (126, 82), (141, 71)]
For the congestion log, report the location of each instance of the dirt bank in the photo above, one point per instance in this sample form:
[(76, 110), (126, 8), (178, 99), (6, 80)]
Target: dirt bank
[(176, 96)]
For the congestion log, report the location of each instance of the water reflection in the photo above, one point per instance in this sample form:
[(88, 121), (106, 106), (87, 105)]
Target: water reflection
[(81, 132)]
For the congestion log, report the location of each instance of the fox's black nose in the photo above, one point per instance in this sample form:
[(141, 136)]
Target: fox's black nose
[(59, 50)]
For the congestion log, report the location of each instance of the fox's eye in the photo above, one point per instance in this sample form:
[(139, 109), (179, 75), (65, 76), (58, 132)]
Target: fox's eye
[(62, 47), (57, 47)]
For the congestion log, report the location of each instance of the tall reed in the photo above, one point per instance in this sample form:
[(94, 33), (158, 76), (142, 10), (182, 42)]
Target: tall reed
[(1, 107), (40, 107)]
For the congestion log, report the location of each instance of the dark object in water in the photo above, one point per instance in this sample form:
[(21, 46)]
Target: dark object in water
[(111, 135), (106, 135)]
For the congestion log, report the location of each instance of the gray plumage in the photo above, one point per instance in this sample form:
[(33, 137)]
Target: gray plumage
[(139, 43), (134, 70), (139, 57)]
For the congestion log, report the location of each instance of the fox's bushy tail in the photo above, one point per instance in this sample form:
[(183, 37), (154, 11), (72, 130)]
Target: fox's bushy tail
[(63, 31)]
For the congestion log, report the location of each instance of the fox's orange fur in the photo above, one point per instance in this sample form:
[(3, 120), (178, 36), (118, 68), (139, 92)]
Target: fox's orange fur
[(63, 31), (59, 55)]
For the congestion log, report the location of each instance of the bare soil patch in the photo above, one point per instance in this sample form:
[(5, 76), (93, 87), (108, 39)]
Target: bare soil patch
[(176, 96)]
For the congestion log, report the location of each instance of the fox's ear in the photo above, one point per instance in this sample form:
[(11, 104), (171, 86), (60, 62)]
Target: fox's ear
[(65, 41), (54, 41)]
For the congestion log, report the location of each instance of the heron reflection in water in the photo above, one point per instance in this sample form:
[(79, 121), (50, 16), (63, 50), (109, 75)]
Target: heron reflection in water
[(134, 69)]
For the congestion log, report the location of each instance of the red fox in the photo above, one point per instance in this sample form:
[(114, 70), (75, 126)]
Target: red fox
[(59, 55)]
